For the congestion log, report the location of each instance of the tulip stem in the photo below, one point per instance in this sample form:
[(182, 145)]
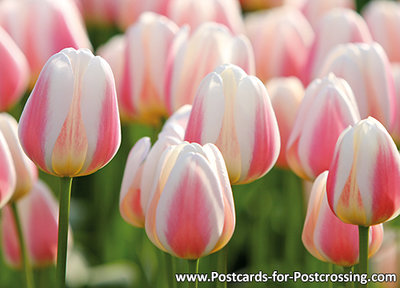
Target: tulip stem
[(349, 270), (222, 265), (25, 259), (63, 224), (363, 238), (193, 270)]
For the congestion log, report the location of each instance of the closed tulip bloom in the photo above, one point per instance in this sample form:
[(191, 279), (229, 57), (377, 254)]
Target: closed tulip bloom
[(38, 213), (141, 87), (42, 28), (233, 111), (25, 169), (191, 213), (363, 184), (326, 237), (286, 95), (383, 19), (14, 71), (70, 124), (226, 12), (335, 27), (8, 176), (367, 70), (327, 109), (396, 77), (194, 56), (281, 38)]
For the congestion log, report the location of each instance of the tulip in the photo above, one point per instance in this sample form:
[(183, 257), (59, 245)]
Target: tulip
[(194, 56), (141, 86), (38, 213), (327, 109), (286, 95), (383, 19), (14, 71), (281, 38), (130, 203), (366, 68), (396, 77), (190, 213), (26, 171), (233, 111), (8, 176), (70, 124), (363, 184), (226, 12), (335, 27), (329, 239), (176, 125), (43, 27)]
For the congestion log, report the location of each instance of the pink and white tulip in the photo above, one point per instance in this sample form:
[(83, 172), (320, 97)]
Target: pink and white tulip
[(367, 70), (286, 94), (38, 213), (326, 237), (233, 111), (43, 27), (395, 132), (327, 109), (191, 213), (363, 184), (281, 38), (26, 171), (194, 56), (8, 177), (383, 19), (225, 12), (339, 26), (14, 71), (70, 124)]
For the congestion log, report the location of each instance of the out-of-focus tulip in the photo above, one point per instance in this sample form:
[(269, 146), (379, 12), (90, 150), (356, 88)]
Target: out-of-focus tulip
[(70, 124), (383, 19), (14, 71), (395, 132), (281, 39), (43, 27), (327, 109), (339, 26), (226, 12), (329, 239), (286, 95), (25, 169), (8, 176), (38, 213), (141, 88), (194, 56), (191, 213), (129, 205), (233, 111), (364, 178), (367, 70), (314, 10)]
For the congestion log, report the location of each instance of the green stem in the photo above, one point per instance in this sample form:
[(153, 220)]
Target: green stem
[(25, 259), (63, 223), (222, 265), (170, 269), (193, 269), (363, 252), (348, 270)]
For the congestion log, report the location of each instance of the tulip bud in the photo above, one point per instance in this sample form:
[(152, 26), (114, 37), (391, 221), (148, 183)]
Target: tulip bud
[(38, 213), (363, 184), (194, 56), (329, 239), (286, 95), (191, 212), (233, 111), (327, 109), (281, 38), (366, 68), (26, 171), (14, 71), (8, 176), (70, 124)]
